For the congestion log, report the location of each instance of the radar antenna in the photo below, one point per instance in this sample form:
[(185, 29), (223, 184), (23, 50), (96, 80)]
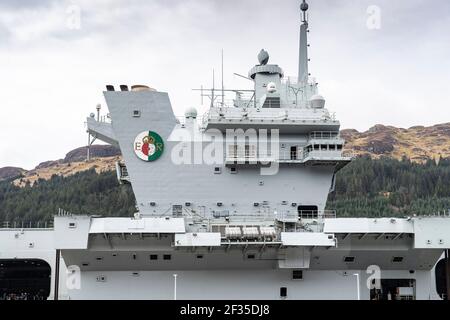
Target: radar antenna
[(223, 87), (303, 72)]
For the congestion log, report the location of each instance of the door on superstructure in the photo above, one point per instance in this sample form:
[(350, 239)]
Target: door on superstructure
[(294, 153)]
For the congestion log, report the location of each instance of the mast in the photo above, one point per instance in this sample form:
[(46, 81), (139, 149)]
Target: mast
[(223, 88), (303, 72)]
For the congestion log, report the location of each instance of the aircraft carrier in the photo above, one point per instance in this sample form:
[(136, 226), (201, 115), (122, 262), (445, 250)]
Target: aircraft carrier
[(230, 205)]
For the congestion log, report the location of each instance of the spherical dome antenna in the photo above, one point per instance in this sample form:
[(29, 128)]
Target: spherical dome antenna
[(263, 57), (317, 101), (304, 6), (190, 113), (271, 87)]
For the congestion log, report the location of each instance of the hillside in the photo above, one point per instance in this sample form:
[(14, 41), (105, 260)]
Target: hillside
[(85, 192), (417, 143), (389, 187), (7, 173), (382, 181), (366, 188), (103, 159)]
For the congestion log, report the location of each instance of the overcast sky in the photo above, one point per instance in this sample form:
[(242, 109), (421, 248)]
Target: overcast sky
[(53, 70)]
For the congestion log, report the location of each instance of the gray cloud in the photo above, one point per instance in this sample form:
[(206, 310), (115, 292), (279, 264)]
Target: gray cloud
[(24, 4)]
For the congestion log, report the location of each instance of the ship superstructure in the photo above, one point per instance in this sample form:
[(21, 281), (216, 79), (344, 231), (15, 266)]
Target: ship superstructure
[(231, 205), (278, 145)]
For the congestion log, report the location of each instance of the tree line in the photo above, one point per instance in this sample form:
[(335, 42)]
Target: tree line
[(389, 187), (82, 193), (364, 188)]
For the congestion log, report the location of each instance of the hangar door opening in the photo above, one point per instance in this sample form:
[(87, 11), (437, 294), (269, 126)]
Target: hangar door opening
[(24, 279)]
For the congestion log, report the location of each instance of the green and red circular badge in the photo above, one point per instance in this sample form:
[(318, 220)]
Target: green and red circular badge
[(149, 146)]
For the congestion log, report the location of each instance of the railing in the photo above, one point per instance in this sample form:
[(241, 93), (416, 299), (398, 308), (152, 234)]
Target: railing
[(266, 114), (272, 103), (324, 135), (102, 119), (243, 100), (240, 219), (329, 154), (230, 98), (239, 154), (315, 214), (307, 215), (256, 115), (305, 220), (27, 225), (286, 156)]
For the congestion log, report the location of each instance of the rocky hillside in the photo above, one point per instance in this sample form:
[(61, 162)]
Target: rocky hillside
[(417, 143), (7, 173), (103, 159), (97, 151)]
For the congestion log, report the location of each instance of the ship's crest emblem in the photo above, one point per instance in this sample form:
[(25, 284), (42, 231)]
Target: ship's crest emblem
[(149, 146)]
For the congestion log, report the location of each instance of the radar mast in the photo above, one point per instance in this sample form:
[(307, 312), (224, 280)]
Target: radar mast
[(303, 72)]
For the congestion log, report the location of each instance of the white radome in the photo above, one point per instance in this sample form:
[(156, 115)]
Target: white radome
[(271, 87), (317, 101), (190, 113)]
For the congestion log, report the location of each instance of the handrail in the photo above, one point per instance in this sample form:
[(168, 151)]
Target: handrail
[(325, 135), (328, 153), (300, 155), (26, 225), (103, 119), (283, 115), (308, 214)]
